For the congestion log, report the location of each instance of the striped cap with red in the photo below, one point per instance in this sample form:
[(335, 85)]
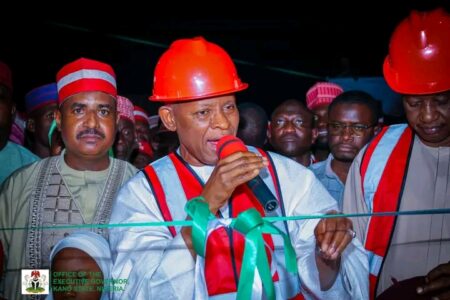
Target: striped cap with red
[(322, 93), (125, 108), (140, 114), (85, 75)]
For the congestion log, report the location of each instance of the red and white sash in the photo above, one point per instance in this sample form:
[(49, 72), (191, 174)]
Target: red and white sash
[(383, 173), (173, 182)]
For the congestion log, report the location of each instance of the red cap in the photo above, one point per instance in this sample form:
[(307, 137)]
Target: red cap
[(85, 75), (322, 93), (125, 108), (145, 148), (228, 145), (140, 114), (5, 75)]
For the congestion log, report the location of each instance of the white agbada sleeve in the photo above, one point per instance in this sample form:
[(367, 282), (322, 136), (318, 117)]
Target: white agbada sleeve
[(156, 265), (304, 194)]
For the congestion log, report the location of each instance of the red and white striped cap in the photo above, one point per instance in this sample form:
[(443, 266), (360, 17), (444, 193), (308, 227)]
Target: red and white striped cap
[(140, 114), (125, 108), (85, 75), (322, 93)]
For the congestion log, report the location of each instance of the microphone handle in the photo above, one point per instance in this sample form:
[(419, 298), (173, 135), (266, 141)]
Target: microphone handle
[(263, 194)]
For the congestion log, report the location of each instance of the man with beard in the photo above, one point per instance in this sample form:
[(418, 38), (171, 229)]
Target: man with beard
[(12, 156), (407, 167), (318, 97), (75, 188), (352, 122), (291, 131)]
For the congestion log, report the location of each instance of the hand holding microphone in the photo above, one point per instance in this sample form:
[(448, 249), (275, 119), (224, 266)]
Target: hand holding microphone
[(236, 166), (227, 147)]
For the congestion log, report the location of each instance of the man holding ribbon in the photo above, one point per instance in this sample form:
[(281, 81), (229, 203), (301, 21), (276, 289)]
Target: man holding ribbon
[(196, 80), (407, 167), (74, 188)]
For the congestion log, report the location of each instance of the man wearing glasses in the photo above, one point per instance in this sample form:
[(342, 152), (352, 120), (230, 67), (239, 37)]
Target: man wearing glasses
[(352, 122)]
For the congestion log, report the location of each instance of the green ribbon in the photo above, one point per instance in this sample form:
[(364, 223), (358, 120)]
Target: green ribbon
[(199, 211), (436, 211), (251, 224), (50, 131)]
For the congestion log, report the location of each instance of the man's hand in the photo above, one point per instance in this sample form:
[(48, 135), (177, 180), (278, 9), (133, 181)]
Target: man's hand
[(332, 236), (229, 173), (437, 282)]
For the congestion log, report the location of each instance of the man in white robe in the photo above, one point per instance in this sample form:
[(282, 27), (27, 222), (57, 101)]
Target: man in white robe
[(197, 80)]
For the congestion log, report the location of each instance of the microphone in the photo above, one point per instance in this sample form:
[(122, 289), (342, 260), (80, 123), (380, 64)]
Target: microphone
[(228, 145)]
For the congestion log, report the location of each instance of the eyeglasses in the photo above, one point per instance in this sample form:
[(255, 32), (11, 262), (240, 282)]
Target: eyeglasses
[(298, 123), (336, 128)]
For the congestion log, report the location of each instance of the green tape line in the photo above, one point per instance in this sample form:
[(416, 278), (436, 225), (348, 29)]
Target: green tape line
[(440, 211)]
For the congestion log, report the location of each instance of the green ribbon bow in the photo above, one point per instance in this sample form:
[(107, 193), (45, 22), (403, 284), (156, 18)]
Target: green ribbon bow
[(251, 224)]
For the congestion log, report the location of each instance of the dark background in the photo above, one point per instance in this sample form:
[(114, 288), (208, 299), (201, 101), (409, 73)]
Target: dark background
[(280, 52)]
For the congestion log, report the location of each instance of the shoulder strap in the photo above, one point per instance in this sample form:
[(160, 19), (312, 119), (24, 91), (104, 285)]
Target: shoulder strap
[(387, 197), (273, 174), (160, 196)]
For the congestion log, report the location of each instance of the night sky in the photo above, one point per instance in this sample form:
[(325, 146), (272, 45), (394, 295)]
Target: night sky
[(280, 54)]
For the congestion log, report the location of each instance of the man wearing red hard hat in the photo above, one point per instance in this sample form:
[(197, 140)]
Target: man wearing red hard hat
[(197, 81), (407, 167)]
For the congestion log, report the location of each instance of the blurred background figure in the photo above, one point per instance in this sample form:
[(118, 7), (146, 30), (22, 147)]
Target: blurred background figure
[(17, 134), (380, 119), (253, 122), (40, 104), (318, 97), (56, 142), (352, 122), (12, 156), (165, 141), (125, 142), (142, 125), (153, 124), (143, 155), (291, 131)]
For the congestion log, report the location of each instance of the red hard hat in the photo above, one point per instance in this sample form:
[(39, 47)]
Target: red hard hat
[(194, 69), (419, 54)]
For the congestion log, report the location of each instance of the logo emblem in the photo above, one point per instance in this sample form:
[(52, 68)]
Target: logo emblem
[(35, 282)]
